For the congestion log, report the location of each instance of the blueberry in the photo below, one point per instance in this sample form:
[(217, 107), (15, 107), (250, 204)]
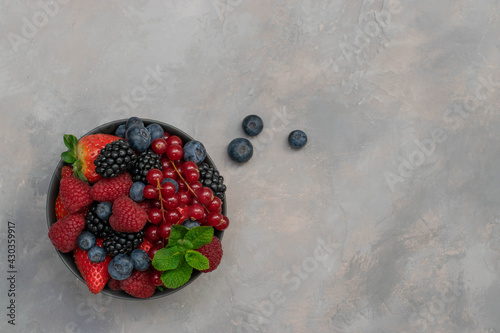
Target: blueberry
[(132, 121), (155, 131), (138, 138), (240, 150), (194, 151), (86, 240), (120, 131), (173, 181), (252, 125), (120, 267), (103, 210), (97, 254), (190, 223), (140, 259), (137, 191), (297, 139)]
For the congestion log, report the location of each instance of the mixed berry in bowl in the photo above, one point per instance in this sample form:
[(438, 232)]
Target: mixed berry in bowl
[(136, 209)]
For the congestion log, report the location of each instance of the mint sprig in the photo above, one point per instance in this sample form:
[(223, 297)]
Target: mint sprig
[(179, 257)]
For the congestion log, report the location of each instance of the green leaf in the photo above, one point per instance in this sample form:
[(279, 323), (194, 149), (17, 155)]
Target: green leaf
[(68, 157), (79, 174), (185, 244), (177, 277), (197, 260), (70, 141), (199, 236), (168, 258), (176, 232)]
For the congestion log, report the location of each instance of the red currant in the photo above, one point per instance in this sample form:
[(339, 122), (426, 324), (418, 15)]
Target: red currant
[(214, 218), (166, 135), (156, 204), (159, 146), (155, 216), (175, 152), (167, 189), (155, 278), (215, 205), (164, 230), (184, 211), (172, 217), (182, 186), (165, 163), (205, 195), (150, 192), (151, 233), (189, 165), (224, 223), (184, 197), (171, 201), (192, 176), (196, 186), (169, 173), (174, 140), (152, 251), (153, 176), (196, 211)]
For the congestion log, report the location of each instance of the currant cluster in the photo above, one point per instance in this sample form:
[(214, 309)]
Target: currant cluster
[(176, 195)]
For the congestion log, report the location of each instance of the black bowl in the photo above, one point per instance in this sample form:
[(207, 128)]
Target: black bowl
[(67, 258)]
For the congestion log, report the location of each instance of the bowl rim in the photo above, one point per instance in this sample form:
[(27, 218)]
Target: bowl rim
[(53, 190)]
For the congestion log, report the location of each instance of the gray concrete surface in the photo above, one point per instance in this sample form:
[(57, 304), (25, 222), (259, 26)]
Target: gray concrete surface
[(388, 220)]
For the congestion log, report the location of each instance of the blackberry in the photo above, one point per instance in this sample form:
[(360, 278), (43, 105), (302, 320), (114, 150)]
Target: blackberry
[(99, 227), (145, 162), (211, 178), (122, 242), (114, 158)]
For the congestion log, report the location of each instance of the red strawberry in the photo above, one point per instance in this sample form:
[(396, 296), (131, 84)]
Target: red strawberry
[(75, 194), (64, 232), (213, 251), (82, 153), (109, 189), (127, 216), (66, 171), (95, 274), (60, 210), (139, 284)]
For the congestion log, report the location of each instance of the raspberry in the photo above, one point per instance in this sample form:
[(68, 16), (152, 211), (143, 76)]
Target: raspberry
[(75, 194), (213, 251), (60, 210), (127, 216), (139, 284), (63, 233), (109, 189), (66, 171), (114, 284)]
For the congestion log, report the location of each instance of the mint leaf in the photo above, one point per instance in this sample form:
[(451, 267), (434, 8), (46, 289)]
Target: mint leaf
[(70, 141), (197, 260), (68, 157), (168, 258), (185, 244), (177, 277), (176, 232), (199, 236)]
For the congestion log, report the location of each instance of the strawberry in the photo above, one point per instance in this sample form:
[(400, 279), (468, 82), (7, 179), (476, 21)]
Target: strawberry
[(82, 153), (75, 194), (139, 284), (127, 216), (146, 245), (109, 189), (63, 233), (60, 210), (95, 274)]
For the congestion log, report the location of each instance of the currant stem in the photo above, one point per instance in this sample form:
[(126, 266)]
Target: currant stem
[(158, 185)]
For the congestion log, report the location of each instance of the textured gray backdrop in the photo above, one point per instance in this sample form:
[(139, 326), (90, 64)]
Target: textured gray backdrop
[(388, 220)]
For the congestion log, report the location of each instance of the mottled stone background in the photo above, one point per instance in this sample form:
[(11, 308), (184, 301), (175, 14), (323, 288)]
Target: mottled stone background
[(388, 220)]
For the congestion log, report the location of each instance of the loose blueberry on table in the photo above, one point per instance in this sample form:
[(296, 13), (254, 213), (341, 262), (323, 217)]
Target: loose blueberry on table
[(138, 209)]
